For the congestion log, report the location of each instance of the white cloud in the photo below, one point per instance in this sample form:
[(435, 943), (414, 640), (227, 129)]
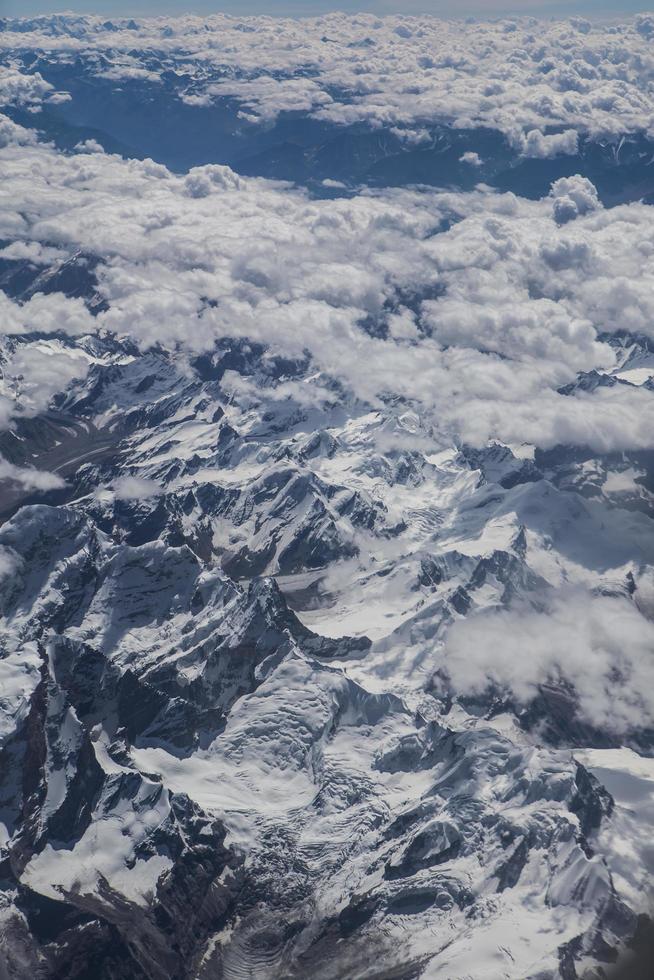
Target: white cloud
[(45, 313), (37, 371), (135, 488), (200, 181), (537, 144), (602, 646), (645, 26), (522, 76), (471, 158), (89, 146), (521, 297), (17, 88), (29, 477), (573, 196), (33, 252), (11, 132)]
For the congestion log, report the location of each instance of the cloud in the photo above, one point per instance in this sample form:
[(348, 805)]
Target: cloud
[(537, 144), (11, 132), (266, 97), (33, 252), (524, 294), (529, 79), (33, 373), (573, 196), (10, 562), (30, 478), (645, 26), (601, 646), (19, 89), (135, 488), (201, 181), (51, 313), (89, 146)]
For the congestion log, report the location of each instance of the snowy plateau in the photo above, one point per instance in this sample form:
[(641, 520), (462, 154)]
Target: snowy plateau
[(326, 499)]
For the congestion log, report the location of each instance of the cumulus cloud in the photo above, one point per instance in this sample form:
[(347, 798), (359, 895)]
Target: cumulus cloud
[(471, 158), (525, 77), (523, 294), (33, 252), (51, 313), (645, 26), (19, 89), (200, 181), (573, 196), (33, 373), (89, 146), (135, 488), (601, 646), (28, 477), (264, 98), (11, 132), (537, 144)]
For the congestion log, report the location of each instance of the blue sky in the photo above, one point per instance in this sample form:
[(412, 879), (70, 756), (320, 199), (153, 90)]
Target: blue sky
[(446, 8)]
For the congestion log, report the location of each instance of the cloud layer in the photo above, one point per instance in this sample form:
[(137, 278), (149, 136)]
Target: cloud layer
[(539, 82), (520, 295), (480, 308)]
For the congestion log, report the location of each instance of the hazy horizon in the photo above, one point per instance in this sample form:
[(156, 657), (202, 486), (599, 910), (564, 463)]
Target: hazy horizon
[(303, 8)]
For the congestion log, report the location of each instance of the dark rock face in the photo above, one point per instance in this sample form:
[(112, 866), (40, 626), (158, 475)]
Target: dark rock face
[(75, 277), (78, 933)]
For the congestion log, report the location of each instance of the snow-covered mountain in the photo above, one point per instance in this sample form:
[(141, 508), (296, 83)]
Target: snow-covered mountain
[(326, 540), (230, 742)]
